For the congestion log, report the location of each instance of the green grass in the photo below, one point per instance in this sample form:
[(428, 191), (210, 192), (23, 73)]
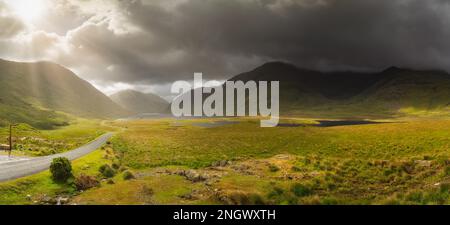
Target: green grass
[(39, 185), (29, 141), (364, 164), (404, 161), (162, 189), (155, 143)]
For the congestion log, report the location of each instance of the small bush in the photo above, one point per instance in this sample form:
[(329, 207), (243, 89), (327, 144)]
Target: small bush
[(256, 199), (329, 201), (277, 191), (110, 181), (61, 169), (116, 165), (148, 191), (240, 198), (447, 171), (127, 175), (273, 168), (84, 182), (445, 188), (416, 197), (107, 171), (301, 190)]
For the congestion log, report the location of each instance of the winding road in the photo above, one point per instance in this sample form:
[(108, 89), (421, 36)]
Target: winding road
[(21, 167)]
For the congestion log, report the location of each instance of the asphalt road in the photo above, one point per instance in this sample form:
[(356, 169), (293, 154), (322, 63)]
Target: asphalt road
[(14, 169)]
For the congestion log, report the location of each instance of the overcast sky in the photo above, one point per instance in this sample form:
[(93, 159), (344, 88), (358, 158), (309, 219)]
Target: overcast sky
[(147, 44)]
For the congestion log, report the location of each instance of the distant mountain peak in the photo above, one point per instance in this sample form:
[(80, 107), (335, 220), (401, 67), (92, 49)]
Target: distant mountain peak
[(139, 102), (277, 65), (395, 69)]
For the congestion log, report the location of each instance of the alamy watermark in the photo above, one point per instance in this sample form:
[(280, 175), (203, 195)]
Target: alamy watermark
[(236, 94)]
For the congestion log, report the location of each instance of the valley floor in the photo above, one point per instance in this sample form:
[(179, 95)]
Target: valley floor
[(234, 161)]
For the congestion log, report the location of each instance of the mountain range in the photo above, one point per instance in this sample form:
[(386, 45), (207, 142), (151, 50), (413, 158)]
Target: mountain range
[(45, 94), (391, 92)]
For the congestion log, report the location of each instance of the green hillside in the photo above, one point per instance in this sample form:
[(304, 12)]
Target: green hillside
[(33, 93), (138, 102)]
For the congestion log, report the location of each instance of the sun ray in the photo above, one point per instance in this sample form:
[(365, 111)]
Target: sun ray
[(28, 10)]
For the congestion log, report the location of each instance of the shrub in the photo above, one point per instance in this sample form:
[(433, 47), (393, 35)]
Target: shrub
[(110, 181), (146, 190), (240, 198), (329, 201), (256, 199), (61, 169), (107, 171), (447, 171), (273, 168), (296, 169), (277, 191), (84, 182), (416, 197), (116, 165), (127, 175), (301, 190)]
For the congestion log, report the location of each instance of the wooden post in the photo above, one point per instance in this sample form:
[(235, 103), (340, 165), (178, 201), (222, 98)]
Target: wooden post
[(10, 140)]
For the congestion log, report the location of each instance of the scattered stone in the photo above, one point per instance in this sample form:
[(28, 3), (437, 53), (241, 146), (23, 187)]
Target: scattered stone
[(62, 201), (241, 168), (282, 157), (423, 163), (28, 197), (187, 197), (221, 163), (46, 200), (192, 175)]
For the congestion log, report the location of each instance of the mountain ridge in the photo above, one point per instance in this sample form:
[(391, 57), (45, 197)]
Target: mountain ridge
[(45, 87), (138, 102), (346, 93)]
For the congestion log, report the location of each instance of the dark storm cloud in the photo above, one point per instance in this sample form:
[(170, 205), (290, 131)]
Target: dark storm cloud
[(220, 38)]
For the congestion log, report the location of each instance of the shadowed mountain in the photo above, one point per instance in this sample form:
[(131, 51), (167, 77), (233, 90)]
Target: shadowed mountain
[(32, 92), (138, 102), (352, 94)]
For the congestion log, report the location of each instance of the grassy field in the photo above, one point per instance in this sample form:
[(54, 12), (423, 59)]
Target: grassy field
[(403, 161), (28, 141), (400, 162)]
